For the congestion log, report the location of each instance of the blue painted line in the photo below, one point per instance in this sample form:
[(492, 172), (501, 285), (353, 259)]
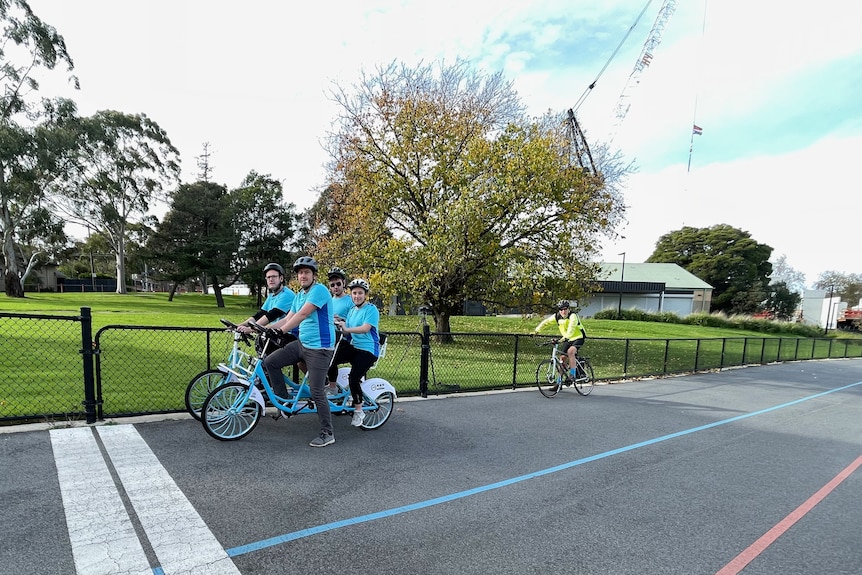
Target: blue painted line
[(263, 544)]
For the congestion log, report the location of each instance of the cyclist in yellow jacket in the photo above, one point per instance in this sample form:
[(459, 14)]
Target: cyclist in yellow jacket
[(571, 329)]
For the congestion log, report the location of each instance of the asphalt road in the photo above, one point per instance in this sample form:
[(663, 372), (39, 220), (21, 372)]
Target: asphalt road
[(752, 470)]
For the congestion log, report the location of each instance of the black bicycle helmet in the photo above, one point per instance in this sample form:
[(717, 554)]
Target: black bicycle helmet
[(563, 304), (337, 272), (359, 282), (305, 262), (274, 266)]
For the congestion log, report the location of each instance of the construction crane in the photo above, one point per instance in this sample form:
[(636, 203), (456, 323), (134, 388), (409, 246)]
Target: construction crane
[(581, 150), (644, 60), (579, 145)]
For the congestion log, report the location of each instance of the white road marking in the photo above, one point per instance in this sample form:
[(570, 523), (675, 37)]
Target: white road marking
[(181, 540), (103, 538)]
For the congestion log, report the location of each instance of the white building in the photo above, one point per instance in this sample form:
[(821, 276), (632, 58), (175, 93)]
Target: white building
[(819, 309), (654, 288)]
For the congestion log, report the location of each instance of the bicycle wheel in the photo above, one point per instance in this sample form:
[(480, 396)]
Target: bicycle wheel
[(200, 387), (374, 418), (547, 378), (584, 385), (229, 412)]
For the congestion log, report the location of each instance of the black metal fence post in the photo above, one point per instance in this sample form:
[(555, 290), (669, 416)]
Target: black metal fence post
[(515, 364), (424, 360), (87, 356)]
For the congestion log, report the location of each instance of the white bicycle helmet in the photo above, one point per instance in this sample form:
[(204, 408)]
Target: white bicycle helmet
[(359, 282)]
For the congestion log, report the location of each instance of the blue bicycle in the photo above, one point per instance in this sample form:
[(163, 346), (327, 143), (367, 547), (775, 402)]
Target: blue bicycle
[(232, 410), (203, 383)]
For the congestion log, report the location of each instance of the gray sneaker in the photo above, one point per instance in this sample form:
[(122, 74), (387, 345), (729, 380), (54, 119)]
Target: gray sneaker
[(322, 440), (358, 418)]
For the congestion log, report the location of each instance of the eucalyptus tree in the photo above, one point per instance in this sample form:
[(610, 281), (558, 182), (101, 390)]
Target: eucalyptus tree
[(28, 46), (442, 190), (125, 163)]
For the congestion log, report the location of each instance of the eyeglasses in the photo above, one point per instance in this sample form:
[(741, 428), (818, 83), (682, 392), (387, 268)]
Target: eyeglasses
[(335, 284), (272, 277)]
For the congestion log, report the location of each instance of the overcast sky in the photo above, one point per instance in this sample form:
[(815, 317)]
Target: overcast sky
[(774, 85)]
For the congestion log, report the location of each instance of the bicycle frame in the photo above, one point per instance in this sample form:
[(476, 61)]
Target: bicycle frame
[(237, 358), (561, 364), (300, 400), (557, 356), (232, 410)]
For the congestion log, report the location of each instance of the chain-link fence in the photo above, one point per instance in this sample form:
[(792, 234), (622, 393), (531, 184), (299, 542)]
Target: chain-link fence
[(41, 367), (51, 369)]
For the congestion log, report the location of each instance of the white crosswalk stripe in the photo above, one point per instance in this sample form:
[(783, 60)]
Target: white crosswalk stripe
[(102, 535), (100, 529), (182, 541)]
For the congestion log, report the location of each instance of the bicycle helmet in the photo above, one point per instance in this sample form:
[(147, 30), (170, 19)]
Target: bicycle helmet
[(337, 272), (359, 282), (305, 262), (274, 266), (563, 304)]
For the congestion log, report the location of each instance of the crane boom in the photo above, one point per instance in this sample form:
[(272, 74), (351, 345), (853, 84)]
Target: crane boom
[(579, 145), (644, 60)]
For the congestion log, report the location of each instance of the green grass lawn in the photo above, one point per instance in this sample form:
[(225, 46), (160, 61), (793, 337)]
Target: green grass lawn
[(196, 310)]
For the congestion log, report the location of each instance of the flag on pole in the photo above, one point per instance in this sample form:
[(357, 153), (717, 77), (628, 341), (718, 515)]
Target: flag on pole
[(697, 130)]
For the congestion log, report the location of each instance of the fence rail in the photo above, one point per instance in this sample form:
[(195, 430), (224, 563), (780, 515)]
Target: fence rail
[(52, 369)]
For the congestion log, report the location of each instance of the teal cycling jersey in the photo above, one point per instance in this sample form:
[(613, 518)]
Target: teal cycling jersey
[(317, 331), (370, 340), (342, 305), (282, 300)]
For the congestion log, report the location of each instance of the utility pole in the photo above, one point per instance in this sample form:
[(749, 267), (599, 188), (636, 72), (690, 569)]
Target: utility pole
[(622, 278), (829, 310)]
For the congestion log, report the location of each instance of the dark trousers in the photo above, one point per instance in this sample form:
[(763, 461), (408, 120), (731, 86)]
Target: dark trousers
[(317, 361), (360, 362)]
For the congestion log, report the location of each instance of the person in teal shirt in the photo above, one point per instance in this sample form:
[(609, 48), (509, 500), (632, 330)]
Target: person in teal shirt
[(340, 299), (363, 348), (278, 301), (312, 313)]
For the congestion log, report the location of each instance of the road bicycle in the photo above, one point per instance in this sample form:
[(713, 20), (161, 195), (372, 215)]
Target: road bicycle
[(552, 374), (232, 410), (203, 383)]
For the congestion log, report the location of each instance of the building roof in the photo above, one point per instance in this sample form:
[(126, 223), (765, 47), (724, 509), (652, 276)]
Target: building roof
[(673, 276)]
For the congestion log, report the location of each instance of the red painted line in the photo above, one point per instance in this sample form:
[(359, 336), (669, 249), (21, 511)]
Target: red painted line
[(739, 562)]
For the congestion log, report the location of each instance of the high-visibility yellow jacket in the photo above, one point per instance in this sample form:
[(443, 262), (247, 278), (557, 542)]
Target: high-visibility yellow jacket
[(570, 327)]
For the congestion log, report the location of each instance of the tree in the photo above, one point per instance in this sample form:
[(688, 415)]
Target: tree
[(196, 237), (34, 45), (125, 163), (736, 266), (782, 303), (847, 286), (445, 191), (782, 272), (265, 225)]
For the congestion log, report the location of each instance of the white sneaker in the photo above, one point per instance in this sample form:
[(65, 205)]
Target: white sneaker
[(358, 418)]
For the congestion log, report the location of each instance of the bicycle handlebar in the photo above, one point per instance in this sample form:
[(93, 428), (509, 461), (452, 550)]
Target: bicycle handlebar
[(235, 328), (270, 333)]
